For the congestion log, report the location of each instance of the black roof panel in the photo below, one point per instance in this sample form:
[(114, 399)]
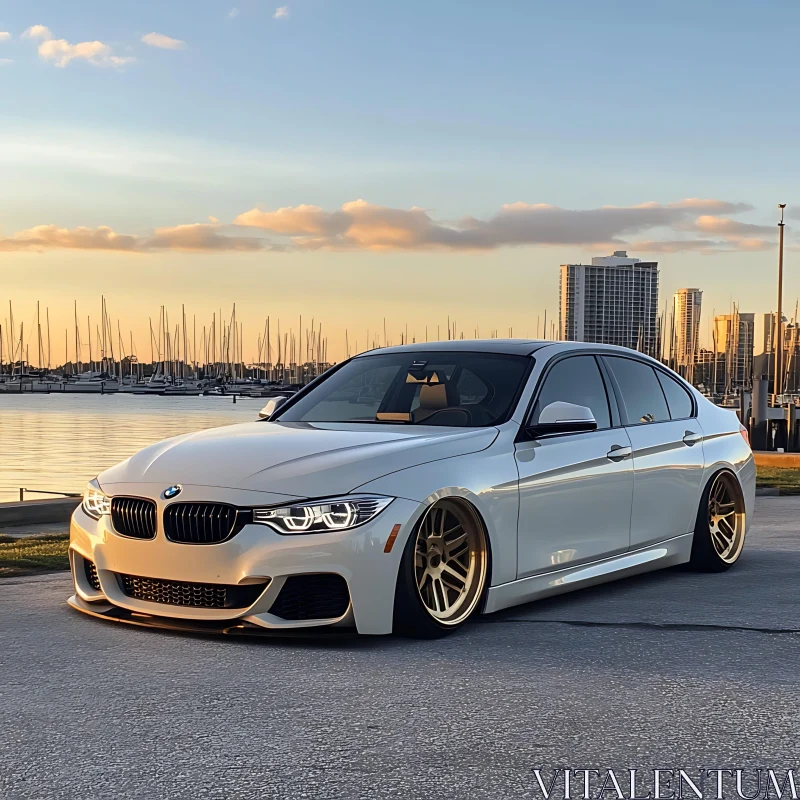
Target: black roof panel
[(519, 347)]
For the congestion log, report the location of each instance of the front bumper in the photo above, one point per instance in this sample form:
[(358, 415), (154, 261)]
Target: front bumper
[(256, 556)]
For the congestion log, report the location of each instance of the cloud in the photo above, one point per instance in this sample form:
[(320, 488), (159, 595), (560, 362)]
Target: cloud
[(61, 52), (119, 61), (6, 61), (302, 219), (362, 225), (4, 36), (198, 237), (730, 227), (675, 246), (741, 235), (163, 42), (281, 13), (45, 237), (37, 32), (686, 225), (234, 12), (708, 206)]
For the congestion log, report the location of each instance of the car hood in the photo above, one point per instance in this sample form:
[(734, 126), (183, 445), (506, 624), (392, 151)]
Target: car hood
[(294, 458)]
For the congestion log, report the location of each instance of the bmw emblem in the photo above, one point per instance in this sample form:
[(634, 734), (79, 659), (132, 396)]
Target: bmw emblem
[(172, 491)]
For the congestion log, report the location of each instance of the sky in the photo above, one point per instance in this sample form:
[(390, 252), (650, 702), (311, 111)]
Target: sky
[(354, 161)]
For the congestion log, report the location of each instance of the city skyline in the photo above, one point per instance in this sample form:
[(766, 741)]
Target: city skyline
[(217, 168), (43, 345)]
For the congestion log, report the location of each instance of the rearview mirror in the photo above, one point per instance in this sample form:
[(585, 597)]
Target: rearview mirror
[(273, 404), (561, 417)]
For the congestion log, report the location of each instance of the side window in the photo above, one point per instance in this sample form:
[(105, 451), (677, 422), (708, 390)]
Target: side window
[(641, 391), (576, 380), (678, 400)]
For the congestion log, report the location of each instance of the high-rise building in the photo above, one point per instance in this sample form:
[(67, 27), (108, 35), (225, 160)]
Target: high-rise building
[(764, 364), (733, 339), (686, 315), (769, 330), (612, 301)]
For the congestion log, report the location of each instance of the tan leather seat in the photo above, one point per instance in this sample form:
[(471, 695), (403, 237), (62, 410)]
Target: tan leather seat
[(432, 398)]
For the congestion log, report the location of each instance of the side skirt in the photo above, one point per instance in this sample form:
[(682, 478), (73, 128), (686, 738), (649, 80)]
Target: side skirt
[(665, 554)]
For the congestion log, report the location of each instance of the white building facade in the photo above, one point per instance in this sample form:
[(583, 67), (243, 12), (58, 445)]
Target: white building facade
[(687, 305), (613, 300)]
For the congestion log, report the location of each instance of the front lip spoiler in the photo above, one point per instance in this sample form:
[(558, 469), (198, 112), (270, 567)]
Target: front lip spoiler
[(230, 627)]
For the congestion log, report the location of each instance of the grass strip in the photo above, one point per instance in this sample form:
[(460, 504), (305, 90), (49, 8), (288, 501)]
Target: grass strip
[(787, 479), (33, 554)]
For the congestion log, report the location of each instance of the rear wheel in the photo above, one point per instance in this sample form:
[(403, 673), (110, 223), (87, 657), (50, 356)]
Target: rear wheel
[(720, 527), (443, 571)]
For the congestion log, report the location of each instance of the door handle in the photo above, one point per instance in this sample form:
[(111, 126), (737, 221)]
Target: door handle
[(618, 452), (691, 438)]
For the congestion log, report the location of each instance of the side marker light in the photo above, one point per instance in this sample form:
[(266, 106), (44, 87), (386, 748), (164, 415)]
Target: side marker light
[(390, 541)]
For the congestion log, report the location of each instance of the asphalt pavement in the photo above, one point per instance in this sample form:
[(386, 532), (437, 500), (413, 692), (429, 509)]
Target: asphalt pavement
[(671, 670)]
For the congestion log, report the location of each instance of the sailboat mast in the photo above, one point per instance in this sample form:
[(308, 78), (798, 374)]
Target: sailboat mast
[(47, 311)]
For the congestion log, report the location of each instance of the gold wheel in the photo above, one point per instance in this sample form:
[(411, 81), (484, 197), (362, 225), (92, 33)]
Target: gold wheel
[(726, 518), (450, 561)]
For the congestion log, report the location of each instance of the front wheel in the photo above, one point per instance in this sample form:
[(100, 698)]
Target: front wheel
[(443, 571), (719, 531)]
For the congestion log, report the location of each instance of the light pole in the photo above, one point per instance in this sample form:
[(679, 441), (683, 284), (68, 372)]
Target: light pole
[(777, 343)]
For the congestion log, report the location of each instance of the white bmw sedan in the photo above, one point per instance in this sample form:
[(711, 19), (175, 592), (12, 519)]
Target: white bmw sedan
[(411, 487)]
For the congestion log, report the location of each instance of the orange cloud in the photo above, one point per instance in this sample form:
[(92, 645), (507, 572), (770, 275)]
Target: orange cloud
[(199, 237), (360, 225), (48, 237), (363, 225), (303, 219), (731, 227), (740, 235)]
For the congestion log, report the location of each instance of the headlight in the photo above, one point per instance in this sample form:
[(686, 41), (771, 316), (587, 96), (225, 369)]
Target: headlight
[(336, 514), (95, 503)]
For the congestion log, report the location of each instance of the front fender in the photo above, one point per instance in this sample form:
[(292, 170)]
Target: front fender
[(489, 481)]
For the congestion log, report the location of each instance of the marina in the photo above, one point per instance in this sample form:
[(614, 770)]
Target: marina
[(53, 443), (184, 360)]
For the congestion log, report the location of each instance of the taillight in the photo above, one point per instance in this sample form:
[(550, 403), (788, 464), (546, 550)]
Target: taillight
[(745, 434)]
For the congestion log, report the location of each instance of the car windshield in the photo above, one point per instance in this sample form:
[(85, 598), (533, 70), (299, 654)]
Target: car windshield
[(456, 389)]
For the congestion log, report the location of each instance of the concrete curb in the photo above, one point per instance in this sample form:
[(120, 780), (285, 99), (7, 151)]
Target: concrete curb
[(772, 459), (768, 491), (32, 511)]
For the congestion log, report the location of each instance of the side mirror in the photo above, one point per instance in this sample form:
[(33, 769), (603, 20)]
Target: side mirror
[(273, 404), (561, 417)]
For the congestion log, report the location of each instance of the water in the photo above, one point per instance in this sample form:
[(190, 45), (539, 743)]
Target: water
[(59, 442)]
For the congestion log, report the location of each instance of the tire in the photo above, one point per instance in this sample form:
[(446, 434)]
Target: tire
[(720, 528), (443, 572)]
